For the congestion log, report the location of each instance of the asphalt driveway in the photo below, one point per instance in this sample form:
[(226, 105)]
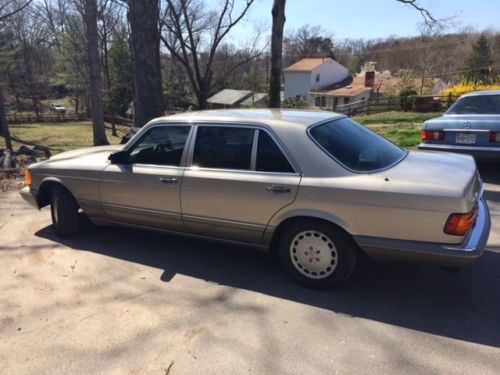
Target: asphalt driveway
[(122, 301)]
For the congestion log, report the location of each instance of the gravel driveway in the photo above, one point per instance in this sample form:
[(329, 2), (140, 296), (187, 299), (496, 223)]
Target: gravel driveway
[(123, 301)]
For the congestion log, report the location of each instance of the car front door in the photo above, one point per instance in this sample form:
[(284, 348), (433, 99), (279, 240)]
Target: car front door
[(238, 178), (146, 190)]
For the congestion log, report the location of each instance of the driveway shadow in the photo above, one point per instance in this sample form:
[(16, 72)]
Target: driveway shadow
[(463, 305)]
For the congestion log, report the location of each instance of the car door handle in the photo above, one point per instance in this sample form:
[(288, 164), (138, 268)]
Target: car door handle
[(278, 189), (168, 180)]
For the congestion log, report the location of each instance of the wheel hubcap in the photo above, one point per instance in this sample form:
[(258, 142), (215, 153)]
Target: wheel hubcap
[(313, 254)]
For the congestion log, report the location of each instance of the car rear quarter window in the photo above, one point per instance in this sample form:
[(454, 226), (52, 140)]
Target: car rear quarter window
[(223, 147), (356, 147), (476, 104), (269, 156), (161, 145)]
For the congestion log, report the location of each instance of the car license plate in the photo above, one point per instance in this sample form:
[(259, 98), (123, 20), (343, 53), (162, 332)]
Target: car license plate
[(466, 139)]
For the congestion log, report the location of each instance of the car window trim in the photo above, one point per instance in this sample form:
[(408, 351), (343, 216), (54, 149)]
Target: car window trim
[(256, 128), (144, 131), (311, 127)]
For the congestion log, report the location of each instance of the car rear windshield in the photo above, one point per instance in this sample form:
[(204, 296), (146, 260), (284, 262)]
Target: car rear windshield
[(480, 105), (356, 147)]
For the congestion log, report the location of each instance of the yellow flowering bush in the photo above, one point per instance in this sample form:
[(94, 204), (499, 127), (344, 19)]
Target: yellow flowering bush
[(464, 86)]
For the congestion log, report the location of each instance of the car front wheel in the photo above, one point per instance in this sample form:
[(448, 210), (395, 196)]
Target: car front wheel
[(64, 210), (317, 254)]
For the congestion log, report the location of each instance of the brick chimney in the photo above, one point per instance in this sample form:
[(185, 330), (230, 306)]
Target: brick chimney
[(369, 79)]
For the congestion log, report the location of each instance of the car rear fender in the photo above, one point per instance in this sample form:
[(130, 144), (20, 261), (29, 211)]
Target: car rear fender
[(281, 219)]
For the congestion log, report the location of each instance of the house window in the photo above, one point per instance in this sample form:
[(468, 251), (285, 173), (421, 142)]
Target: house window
[(317, 77), (346, 100), (320, 101), (335, 102)]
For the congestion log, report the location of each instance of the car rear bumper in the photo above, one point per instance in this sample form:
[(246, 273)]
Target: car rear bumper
[(457, 256), (30, 195), (479, 152)]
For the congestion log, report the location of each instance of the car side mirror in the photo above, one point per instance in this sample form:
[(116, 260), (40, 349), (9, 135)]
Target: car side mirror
[(119, 157)]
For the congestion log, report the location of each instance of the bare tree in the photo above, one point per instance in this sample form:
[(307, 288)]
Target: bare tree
[(145, 39), (8, 8), (96, 110), (192, 35), (279, 18)]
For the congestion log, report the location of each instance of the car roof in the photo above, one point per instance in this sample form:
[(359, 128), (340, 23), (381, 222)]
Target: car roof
[(271, 117), (480, 93)]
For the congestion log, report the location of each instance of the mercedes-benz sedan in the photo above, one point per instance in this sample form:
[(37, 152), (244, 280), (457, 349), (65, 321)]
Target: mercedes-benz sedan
[(315, 187), (470, 126)]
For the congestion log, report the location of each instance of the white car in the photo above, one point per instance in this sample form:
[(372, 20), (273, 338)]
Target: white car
[(54, 107)]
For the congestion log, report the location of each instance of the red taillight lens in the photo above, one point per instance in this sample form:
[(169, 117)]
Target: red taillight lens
[(432, 135), (460, 224), (495, 137)]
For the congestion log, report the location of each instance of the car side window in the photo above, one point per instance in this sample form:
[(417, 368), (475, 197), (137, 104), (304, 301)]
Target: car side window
[(223, 147), (269, 156), (161, 145)]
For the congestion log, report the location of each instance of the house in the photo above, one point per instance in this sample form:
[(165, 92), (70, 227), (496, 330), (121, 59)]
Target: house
[(348, 99), (385, 85), (312, 74), (229, 98)]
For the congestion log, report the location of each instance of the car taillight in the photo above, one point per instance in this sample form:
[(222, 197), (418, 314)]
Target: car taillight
[(495, 137), (460, 224), (432, 135), (27, 177)]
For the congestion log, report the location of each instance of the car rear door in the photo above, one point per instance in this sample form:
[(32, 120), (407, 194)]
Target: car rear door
[(146, 191), (239, 176)]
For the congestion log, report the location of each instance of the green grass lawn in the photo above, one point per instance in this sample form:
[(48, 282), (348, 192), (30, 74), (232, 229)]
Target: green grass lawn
[(402, 128), (59, 137)]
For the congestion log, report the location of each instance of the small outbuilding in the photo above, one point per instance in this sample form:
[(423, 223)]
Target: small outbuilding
[(228, 98)]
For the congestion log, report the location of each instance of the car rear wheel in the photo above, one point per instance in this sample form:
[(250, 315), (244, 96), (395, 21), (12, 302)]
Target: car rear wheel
[(64, 210), (317, 254)]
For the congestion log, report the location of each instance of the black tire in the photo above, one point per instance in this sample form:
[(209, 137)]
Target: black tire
[(323, 257), (64, 211)]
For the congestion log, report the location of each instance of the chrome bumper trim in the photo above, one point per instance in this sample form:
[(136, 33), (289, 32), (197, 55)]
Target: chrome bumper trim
[(30, 195)]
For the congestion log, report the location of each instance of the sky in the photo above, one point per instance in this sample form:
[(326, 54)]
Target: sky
[(369, 19)]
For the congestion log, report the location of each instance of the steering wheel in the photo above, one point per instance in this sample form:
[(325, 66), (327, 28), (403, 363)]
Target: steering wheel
[(161, 148)]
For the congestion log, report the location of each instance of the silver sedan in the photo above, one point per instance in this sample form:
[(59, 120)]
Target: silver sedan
[(471, 126), (315, 187)]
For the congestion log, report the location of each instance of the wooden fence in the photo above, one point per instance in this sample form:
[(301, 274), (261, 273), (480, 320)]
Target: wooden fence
[(406, 104), (30, 118)]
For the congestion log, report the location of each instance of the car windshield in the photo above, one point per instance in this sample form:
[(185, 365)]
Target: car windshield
[(356, 147), (479, 104)]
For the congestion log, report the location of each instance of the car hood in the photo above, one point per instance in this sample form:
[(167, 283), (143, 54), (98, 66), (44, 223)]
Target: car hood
[(84, 158), (491, 122)]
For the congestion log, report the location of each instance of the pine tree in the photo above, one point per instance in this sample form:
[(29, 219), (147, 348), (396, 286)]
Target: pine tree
[(480, 60)]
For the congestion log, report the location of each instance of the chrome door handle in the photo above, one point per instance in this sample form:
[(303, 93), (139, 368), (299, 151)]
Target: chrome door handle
[(168, 180), (278, 189)]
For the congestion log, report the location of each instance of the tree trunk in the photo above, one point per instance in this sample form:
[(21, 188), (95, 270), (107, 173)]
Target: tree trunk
[(278, 13), (145, 39), (4, 127), (95, 73)]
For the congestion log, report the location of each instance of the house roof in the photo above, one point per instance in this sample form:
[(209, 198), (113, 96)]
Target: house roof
[(385, 84), (229, 97), (307, 65), (351, 90), (255, 98)]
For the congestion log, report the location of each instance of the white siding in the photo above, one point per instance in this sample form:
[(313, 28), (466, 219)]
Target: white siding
[(330, 72), (297, 83)]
